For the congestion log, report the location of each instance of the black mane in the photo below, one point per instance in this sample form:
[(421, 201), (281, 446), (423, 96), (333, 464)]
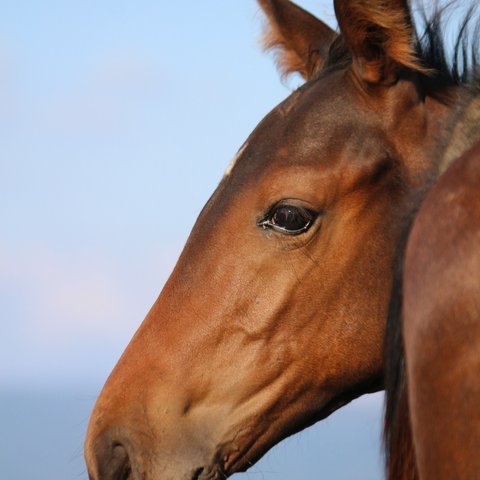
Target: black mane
[(398, 447), (460, 66)]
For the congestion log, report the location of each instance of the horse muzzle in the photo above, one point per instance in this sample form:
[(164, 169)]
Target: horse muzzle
[(110, 456)]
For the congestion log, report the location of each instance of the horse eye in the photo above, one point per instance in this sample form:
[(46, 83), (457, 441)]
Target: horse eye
[(289, 219)]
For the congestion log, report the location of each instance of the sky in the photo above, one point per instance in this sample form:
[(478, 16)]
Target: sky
[(117, 121)]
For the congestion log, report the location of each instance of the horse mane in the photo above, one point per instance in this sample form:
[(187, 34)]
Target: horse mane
[(461, 71), (398, 444)]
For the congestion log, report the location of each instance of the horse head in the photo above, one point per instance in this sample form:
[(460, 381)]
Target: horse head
[(274, 315)]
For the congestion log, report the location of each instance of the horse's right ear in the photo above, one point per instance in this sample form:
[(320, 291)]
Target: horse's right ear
[(380, 36), (301, 40)]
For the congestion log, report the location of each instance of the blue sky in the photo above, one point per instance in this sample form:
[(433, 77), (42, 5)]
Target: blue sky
[(117, 120)]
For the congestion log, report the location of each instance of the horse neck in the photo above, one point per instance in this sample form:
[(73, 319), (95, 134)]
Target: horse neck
[(464, 129)]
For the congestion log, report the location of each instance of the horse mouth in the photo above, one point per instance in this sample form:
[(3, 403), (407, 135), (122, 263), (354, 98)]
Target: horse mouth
[(242, 459)]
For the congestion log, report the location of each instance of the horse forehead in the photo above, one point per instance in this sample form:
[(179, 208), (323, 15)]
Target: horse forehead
[(312, 117)]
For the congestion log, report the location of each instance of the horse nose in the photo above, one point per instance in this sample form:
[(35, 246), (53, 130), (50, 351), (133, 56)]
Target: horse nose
[(109, 460)]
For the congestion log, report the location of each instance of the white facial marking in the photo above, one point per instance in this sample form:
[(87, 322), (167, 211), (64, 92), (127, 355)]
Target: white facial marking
[(233, 161)]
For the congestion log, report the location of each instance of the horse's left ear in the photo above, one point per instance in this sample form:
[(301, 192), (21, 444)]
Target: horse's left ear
[(302, 41), (380, 36)]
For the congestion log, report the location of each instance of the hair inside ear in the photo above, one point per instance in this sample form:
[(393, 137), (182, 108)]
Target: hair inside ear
[(299, 39), (380, 36)]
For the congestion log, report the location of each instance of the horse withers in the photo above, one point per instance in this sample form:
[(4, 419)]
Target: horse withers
[(275, 313)]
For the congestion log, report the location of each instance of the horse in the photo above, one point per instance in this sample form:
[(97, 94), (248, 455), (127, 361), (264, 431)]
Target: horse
[(275, 313)]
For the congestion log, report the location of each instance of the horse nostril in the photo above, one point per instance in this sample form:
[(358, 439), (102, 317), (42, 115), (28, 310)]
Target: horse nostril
[(197, 473), (120, 467), (112, 461)]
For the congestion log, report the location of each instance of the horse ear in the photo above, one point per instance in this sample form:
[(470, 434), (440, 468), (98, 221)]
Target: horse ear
[(300, 39), (380, 36)]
